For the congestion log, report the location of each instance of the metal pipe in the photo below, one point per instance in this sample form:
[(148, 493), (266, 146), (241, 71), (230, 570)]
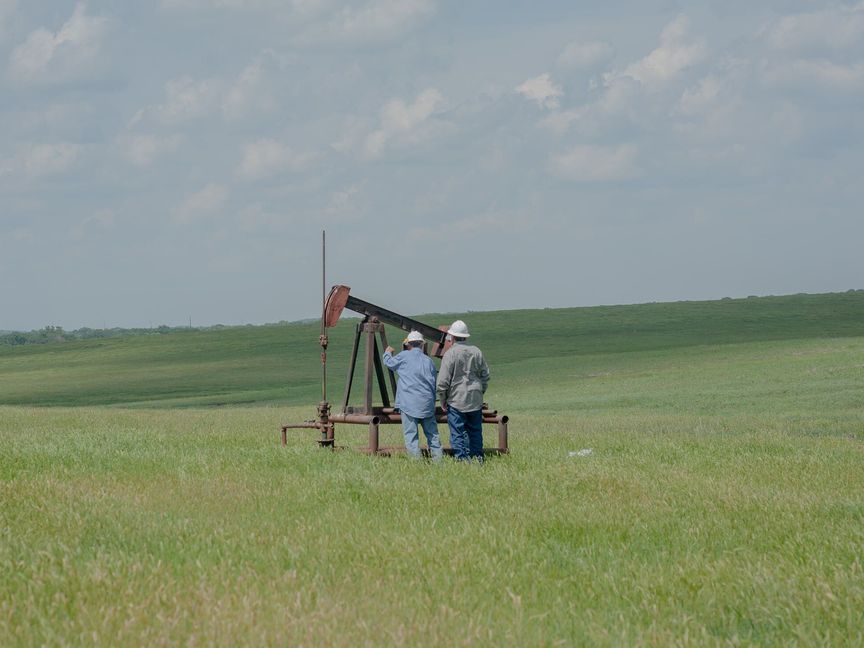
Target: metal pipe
[(502, 434), (359, 419), (388, 419), (373, 435), (438, 411), (323, 336)]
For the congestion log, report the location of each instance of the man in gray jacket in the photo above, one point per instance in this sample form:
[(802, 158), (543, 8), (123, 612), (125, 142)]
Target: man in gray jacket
[(462, 381)]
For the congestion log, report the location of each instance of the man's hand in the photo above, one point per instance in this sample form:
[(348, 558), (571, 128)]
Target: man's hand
[(444, 407), (389, 349)]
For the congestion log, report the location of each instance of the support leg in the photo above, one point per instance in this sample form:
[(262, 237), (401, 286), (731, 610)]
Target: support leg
[(373, 437), (384, 345), (351, 366), (379, 374), (367, 369)]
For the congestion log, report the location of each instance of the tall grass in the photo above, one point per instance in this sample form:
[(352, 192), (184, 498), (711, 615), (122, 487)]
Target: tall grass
[(197, 527)]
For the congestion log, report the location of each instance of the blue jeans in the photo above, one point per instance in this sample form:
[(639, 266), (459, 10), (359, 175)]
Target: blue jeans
[(412, 437), (466, 433)]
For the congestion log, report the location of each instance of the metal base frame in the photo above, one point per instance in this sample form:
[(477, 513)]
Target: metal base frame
[(389, 416)]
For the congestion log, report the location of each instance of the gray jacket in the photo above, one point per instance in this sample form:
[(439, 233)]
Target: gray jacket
[(463, 377)]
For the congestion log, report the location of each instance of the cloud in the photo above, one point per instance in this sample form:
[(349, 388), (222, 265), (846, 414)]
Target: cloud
[(701, 98), (403, 123), (344, 203), (249, 94), (619, 103), (185, 98), (831, 29), (142, 150), (542, 90), (585, 55), (622, 98), (375, 22), (265, 158), (595, 163), (818, 75), (38, 160), (208, 200), (52, 56), (676, 53)]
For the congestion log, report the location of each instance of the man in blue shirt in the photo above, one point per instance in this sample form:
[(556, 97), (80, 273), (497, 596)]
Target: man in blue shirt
[(415, 394)]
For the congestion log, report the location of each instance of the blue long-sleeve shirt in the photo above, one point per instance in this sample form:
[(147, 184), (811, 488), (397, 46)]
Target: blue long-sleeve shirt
[(415, 388)]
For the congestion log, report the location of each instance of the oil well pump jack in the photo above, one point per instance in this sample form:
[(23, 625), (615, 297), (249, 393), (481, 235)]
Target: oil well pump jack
[(370, 330)]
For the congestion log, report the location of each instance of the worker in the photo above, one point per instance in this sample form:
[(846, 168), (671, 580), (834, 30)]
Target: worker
[(462, 381), (415, 394)]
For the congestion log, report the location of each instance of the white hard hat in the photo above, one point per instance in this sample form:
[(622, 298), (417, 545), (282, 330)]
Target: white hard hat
[(459, 329), (414, 336)]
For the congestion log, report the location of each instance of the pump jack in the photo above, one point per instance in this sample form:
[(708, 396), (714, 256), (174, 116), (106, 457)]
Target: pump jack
[(371, 330)]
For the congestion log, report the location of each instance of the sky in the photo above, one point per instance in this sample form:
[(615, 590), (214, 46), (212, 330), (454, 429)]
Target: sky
[(177, 159)]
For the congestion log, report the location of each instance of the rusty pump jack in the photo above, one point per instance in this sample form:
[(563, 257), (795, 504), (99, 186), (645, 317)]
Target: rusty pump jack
[(371, 327)]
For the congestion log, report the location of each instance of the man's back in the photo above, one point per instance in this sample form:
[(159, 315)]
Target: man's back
[(415, 393), (463, 377)]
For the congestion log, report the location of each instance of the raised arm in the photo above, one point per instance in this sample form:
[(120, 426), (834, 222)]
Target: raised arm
[(391, 361)]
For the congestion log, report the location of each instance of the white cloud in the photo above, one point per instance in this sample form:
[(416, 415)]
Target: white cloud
[(595, 163), (676, 53), (585, 55), (817, 75), (831, 29), (701, 98), (542, 90), (403, 122), (344, 203), (142, 150), (37, 160), (47, 55), (559, 121), (267, 157), (208, 200), (714, 112), (374, 22), (185, 98), (249, 94), (620, 103)]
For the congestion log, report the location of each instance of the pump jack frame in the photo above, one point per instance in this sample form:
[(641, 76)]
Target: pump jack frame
[(371, 329)]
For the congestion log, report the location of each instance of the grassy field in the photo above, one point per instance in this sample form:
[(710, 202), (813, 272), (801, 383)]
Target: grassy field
[(722, 502)]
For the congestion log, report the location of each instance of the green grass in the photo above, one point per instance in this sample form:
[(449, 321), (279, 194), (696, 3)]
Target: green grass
[(280, 364), (723, 502)]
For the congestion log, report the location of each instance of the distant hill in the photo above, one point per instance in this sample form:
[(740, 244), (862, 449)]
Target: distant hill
[(280, 363), (56, 334)]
